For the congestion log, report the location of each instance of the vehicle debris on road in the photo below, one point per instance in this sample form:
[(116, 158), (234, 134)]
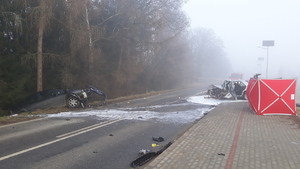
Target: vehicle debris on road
[(149, 156), (158, 139), (143, 152)]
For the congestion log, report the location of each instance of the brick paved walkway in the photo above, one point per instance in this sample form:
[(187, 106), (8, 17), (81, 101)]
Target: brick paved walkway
[(233, 137)]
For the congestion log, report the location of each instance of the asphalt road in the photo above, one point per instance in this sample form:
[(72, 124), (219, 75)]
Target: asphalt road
[(93, 142)]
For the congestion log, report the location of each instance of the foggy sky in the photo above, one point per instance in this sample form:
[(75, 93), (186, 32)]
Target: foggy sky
[(244, 24)]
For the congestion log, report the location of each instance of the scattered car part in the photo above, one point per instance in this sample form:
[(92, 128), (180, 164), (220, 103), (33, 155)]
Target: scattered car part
[(147, 157), (164, 148), (155, 145), (143, 159), (79, 98), (159, 139), (143, 152)]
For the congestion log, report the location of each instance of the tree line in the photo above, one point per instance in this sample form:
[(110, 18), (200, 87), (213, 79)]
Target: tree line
[(122, 47)]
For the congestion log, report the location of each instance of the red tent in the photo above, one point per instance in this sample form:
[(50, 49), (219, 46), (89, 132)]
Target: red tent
[(272, 96)]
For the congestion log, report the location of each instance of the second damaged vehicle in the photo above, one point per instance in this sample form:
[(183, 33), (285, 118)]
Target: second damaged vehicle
[(230, 89), (80, 98)]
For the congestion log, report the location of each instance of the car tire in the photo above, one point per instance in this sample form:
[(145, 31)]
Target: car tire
[(73, 102)]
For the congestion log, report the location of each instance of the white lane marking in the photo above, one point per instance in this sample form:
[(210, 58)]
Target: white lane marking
[(57, 140), (85, 128)]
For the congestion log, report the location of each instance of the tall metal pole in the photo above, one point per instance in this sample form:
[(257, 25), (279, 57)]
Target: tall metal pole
[(267, 43), (267, 61)]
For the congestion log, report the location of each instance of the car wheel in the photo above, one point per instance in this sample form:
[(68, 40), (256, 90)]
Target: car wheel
[(73, 102)]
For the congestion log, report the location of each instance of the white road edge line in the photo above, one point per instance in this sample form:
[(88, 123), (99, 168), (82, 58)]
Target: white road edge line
[(57, 140)]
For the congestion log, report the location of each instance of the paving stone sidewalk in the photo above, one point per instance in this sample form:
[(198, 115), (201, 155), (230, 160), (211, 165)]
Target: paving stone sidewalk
[(232, 136)]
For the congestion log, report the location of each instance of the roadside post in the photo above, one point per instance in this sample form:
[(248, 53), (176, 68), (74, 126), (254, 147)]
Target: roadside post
[(267, 44)]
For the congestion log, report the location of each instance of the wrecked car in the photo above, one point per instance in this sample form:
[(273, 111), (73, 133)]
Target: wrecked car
[(41, 100), (80, 98), (57, 98), (230, 89)]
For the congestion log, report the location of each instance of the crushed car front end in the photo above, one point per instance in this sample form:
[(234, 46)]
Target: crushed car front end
[(230, 89)]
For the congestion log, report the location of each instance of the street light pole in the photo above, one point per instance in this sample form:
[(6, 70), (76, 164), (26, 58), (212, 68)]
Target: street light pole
[(266, 48), (267, 61), (267, 43)]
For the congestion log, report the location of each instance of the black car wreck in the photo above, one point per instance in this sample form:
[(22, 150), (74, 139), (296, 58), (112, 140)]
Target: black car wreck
[(230, 89), (42, 100), (58, 98), (79, 98)]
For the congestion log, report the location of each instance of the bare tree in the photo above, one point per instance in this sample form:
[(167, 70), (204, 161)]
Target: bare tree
[(89, 32), (44, 14)]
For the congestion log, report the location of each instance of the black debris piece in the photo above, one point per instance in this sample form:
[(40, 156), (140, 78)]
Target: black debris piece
[(164, 148), (159, 139), (221, 154), (143, 159), (147, 157)]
